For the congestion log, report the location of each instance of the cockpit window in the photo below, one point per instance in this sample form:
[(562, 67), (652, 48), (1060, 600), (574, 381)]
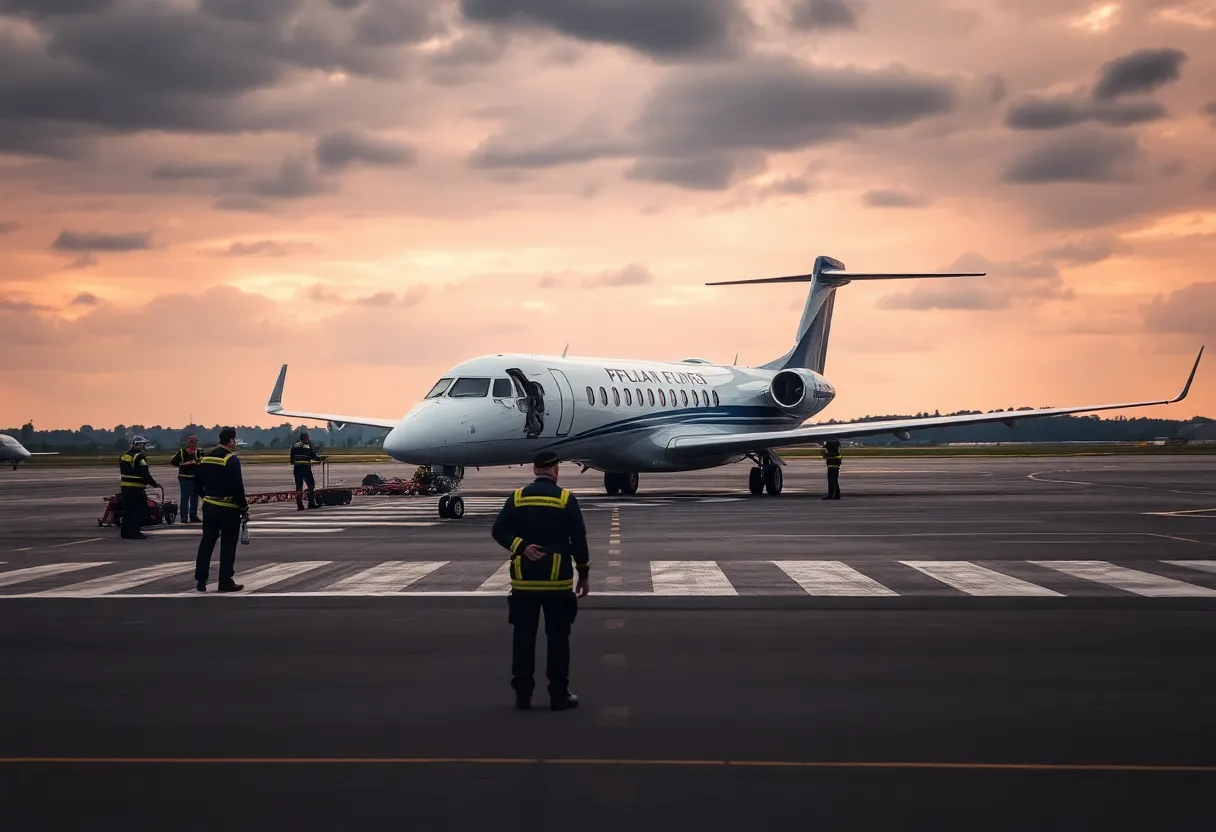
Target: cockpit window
[(439, 387), (469, 388), (503, 388)]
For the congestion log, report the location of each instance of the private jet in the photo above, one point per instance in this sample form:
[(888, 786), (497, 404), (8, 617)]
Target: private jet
[(626, 417), (13, 452)]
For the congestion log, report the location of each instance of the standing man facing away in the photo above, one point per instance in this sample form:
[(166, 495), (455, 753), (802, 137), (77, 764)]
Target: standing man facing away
[(831, 455), (186, 462), (542, 527), (302, 458), (222, 488), (133, 476)]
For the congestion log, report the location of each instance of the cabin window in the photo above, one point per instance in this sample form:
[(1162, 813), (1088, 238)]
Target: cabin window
[(616, 397), (503, 388), (650, 396), (684, 397), (662, 398), (672, 393), (470, 388), (439, 387), (590, 396), (628, 396), (603, 397), (715, 398), (639, 392)]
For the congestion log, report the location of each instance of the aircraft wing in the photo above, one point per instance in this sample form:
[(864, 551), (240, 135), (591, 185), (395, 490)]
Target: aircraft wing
[(275, 406), (706, 445), (43, 453)]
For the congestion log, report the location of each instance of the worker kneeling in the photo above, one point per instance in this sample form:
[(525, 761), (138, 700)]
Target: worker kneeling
[(542, 527)]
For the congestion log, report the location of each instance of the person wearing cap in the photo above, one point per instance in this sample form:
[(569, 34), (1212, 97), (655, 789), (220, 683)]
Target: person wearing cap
[(186, 462), (302, 458), (542, 527), (831, 455), (222, 488), (134, 476)]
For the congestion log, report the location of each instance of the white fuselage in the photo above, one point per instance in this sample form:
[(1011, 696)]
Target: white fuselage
[(11, 450), (610, 414)]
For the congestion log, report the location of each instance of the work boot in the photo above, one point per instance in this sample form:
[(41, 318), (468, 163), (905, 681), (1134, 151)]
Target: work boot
[(231, 587), (523, 703), (201, 586), (563, 703)]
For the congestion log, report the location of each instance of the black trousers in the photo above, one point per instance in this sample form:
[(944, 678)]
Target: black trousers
[(560, 609), (303, 474), (134, 510), (834, 482), (224, 525)]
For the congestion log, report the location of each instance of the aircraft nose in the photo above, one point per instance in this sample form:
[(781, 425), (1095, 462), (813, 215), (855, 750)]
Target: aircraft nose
[(411, 442)]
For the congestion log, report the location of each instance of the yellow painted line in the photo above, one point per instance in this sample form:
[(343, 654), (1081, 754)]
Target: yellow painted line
[(590, 761)]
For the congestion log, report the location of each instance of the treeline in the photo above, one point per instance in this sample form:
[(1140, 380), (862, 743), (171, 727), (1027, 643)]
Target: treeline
[(88, 439), (1040, 430)]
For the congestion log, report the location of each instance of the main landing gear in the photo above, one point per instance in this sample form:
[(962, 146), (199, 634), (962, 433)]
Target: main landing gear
[(620, 483), (766, 476), (451, 507)]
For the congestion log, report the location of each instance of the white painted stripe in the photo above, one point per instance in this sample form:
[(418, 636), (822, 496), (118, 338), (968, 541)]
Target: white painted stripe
[(499, 582), (830, 577), (75, 542), (689, 577), (272, 573), (977, 580), (261, 531), (344, 524), (1201, 565), (123, 580), (391, 576), (1141, 583), (20, 576)]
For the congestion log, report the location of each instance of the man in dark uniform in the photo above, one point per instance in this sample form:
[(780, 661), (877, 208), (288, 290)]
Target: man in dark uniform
[(542, 527), (222, 488), (831, 455), (133, 476), (186, 462), (302, 458)]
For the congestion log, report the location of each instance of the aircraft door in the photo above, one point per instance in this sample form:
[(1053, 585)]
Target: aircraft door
[(565, 402), (531, 402)]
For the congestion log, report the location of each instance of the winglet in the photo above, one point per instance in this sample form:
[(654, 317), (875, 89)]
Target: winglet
[(275, 404), (1187, 388)]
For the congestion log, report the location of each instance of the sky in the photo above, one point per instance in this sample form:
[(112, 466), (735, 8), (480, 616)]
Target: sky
[(193, 192)]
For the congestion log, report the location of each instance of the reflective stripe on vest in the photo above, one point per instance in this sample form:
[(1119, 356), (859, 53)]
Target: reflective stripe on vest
[(545, 502), (223, 502)]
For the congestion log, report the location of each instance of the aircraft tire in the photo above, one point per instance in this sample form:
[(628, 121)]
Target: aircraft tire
[(773, 480), (612, 484), (629, 483), (443, 506), (456, 508), (755, 482)]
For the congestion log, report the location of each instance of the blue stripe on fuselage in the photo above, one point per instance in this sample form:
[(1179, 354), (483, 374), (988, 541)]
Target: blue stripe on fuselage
[(729, 415)]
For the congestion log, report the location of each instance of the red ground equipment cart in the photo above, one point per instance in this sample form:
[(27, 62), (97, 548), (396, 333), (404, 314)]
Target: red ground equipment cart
[(159, 512)]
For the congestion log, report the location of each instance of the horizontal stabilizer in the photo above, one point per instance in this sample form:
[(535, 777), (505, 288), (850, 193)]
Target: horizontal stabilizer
[(828, 275)]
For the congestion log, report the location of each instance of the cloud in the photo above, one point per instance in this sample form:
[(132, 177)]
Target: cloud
[(84, 261), (9, 226), (894, 198), (632, 275), (294, 180), (706, 172), (320, 293), (1053, 113), (822, 15), (243, 202), (1086, 251), (1141, 71), (90, 241), (46, 8), (262, 11), (392, 22), (509, 152), (1209, 110), (661, 29), (1188, 311), (265, 248), (1006, 283), (1076, 157), (86, 299), (197, 170), (343, 148)]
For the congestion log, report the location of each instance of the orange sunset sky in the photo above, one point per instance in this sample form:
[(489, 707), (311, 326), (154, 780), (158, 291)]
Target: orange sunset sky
[(193, 192)]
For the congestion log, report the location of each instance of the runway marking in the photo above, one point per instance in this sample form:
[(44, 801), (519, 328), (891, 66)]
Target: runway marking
[(689, 577), (261, 530), (829, 577), (273, 573), (1036, 476), (499, 582), (1183, 539), (391, 576), (116, 583), (1202, 565), (591, 761), (19, 576), (74, 543), (1141, 583), (23, 549), (977, 580)]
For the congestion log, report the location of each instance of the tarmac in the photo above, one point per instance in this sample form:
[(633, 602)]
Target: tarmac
[(962, 643)]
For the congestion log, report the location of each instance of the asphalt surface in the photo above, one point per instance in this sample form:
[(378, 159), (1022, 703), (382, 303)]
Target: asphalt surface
[(925, 706)]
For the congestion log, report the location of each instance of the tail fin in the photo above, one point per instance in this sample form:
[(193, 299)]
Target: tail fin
[(810, 348)]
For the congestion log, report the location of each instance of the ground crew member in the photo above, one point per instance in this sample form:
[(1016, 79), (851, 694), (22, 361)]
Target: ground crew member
[(133, 476), (302, 458), (222, 488), (186, 462), (831, 455), (542, 527)]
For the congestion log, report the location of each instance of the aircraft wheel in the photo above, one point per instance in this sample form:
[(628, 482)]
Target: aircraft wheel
[(755, 481), (456, 508), (443, 506), (773, 479), (629, 483), (612, 484)]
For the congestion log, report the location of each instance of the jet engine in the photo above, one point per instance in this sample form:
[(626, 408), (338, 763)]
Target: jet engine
[(800, 392)]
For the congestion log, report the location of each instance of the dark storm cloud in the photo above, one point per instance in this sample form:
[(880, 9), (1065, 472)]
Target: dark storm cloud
[(817, 15), (662, 29), (502, 152), (1078, 157), (893, 198), (387, 22), (343, 148), (1141, 71), (251, 11), (1190, 310), (197, 170), (89, 241), (1054, 113), (294, 180), (48, 8), (706, 172)]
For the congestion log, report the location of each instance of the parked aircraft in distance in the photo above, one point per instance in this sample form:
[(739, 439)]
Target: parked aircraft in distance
[(625, 417), (14, 453)]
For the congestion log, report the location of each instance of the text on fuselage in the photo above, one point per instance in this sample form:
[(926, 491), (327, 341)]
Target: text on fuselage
[(649, 376)]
